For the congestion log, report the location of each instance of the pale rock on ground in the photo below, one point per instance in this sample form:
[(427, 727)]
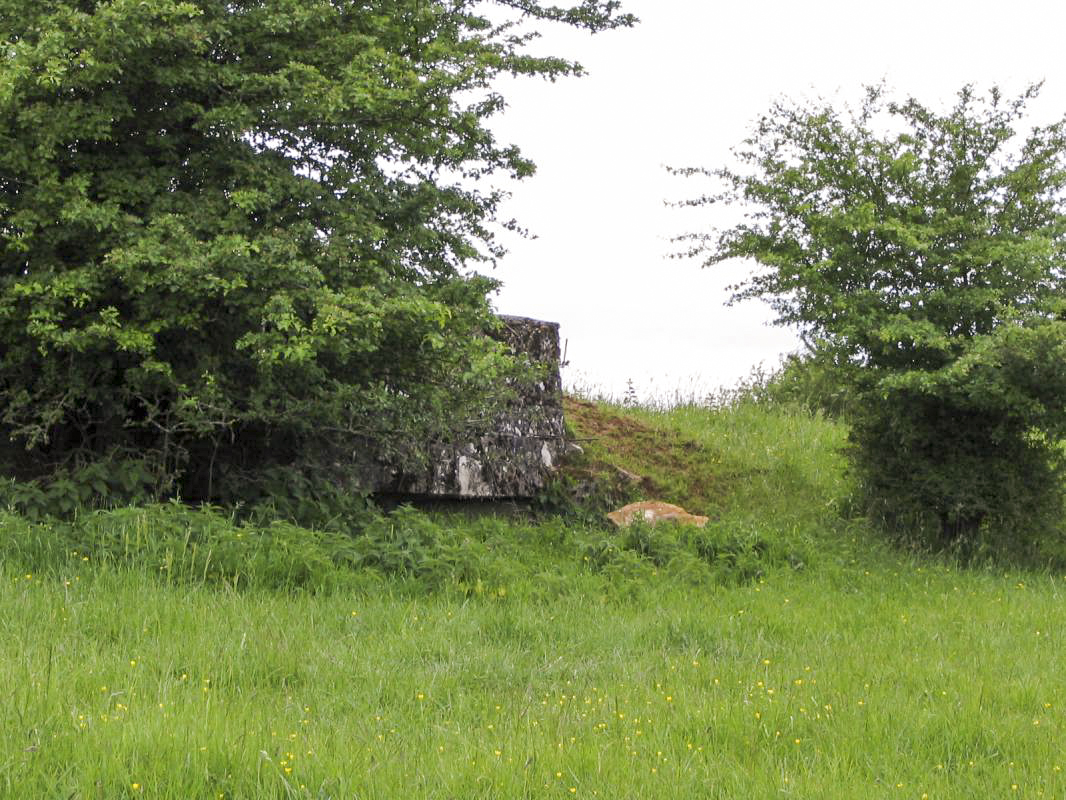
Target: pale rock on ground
[(653, 512)]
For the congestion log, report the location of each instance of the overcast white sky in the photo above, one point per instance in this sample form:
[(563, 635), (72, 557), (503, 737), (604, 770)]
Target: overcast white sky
[(681, 89)]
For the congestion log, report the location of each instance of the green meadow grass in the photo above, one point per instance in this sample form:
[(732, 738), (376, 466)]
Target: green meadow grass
[(521, 666), (894, 680)]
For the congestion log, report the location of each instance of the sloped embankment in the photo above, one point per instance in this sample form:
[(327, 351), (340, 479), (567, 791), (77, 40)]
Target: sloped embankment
[(625, 458), (674, 457)]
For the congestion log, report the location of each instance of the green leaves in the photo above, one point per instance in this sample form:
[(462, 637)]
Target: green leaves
[(928, 249), (251, 223)]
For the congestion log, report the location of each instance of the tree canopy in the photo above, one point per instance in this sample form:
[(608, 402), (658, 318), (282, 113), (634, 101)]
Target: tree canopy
[(923, 252), (252, 220)]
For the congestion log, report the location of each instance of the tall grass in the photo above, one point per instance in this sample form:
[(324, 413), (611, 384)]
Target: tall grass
[(173, 653), (877, 679)]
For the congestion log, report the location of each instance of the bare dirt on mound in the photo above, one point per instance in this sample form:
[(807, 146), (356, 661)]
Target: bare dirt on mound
[(656, 462)]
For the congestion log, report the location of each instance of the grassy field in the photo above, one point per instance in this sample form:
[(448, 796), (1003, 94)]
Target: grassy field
[(786, 652)]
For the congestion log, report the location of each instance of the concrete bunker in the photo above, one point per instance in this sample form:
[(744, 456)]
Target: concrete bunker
[(514, 454)]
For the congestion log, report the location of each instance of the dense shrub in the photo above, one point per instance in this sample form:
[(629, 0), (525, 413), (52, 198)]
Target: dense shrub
[(922, 249), (237, 233)]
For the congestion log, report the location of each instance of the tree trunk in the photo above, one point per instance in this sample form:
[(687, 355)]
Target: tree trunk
[(959, 529)]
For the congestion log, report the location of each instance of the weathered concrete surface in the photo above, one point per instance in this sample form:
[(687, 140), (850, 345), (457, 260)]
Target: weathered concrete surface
[(515, 453)]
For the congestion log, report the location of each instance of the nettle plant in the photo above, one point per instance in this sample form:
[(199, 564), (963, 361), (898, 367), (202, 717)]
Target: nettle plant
[(923, 251)]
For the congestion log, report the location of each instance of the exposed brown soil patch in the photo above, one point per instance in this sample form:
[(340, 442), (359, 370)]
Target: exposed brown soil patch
[(598, 423), (670, 466)]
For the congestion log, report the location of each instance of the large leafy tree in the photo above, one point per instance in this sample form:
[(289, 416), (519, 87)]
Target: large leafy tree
[(925, 253), (251, 222)]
